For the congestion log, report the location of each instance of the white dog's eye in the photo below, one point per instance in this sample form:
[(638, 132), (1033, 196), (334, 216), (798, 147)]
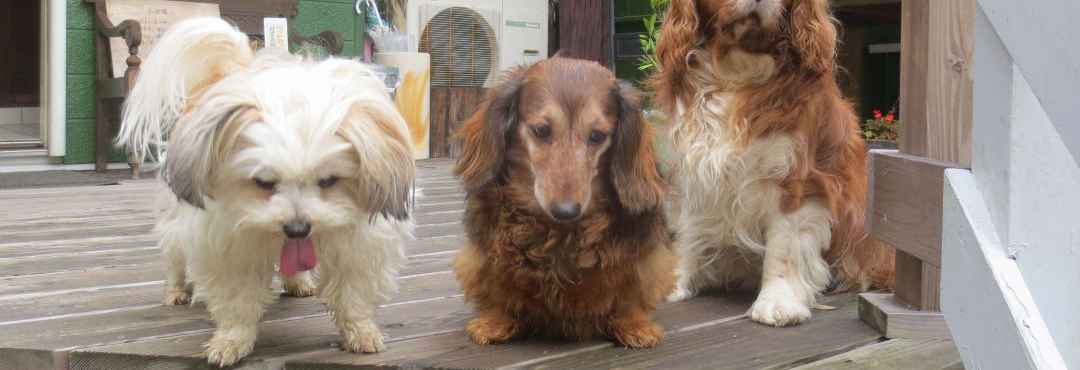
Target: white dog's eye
[(328, 182), (265, 185)]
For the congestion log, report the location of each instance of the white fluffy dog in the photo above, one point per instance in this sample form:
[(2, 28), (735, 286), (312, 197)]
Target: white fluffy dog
[(275, 160)]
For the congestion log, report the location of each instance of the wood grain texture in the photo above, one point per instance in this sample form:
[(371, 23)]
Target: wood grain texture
[(586, 30), (455, 350), (936, 42), (907, 203), (279, 340), (914, 39), (949, 81), (896, 354), (450, 107), (896, 319), (739, 344), (92, 300)]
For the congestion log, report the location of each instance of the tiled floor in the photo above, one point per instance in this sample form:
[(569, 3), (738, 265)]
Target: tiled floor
[(20, 132)]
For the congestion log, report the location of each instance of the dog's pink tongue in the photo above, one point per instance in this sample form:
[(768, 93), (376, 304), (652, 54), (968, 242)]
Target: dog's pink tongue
[(297, 255)]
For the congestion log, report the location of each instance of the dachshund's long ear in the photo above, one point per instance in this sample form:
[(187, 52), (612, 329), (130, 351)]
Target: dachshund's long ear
[(487, 132), (634, 168), (813, 34), (678, 36)]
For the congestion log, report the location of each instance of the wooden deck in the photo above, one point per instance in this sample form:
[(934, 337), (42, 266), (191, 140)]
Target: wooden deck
[(81, 286)]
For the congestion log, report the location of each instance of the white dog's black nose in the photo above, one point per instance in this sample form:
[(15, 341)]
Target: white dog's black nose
[(565, 211), (297, 230)]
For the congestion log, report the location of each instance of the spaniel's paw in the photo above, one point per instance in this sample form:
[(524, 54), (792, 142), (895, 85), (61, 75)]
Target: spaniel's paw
[(779, 306), (363, 337), (229, 346), (489, 330), (679, 294), (638, 334)]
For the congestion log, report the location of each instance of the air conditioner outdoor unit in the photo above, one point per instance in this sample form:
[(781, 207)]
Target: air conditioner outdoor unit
[(472, 42)]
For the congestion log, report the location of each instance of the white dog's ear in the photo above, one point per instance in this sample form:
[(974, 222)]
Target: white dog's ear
[(189, 58), (381, 138), (199, 145)]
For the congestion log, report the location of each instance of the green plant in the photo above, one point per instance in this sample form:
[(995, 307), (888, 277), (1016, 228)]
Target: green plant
[(652, 21), (881, 127)]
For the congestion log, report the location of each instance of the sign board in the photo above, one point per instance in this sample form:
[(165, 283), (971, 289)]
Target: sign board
[(155, 17), (276, 33)]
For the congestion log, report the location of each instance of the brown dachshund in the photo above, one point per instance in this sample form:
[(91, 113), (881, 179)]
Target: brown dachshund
[(567, 237)]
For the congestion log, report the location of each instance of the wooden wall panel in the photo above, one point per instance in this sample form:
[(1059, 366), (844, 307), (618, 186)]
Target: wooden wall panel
[(450, 107), (585, 29), (907, 197), (914, 36), (949, 83)]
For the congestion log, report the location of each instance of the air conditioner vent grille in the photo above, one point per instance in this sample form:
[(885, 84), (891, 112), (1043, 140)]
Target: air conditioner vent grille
[(462, 45)]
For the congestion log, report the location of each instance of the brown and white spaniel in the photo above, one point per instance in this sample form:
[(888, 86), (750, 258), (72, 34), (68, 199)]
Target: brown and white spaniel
[(771, 169)]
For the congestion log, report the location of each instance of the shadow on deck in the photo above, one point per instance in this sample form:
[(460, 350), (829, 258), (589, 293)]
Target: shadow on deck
[(81, 285)]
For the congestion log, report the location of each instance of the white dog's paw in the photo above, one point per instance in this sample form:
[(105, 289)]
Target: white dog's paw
[(363, 337), (177, 297), (299, 288), (228, 347), (779, 306), (680, 294)]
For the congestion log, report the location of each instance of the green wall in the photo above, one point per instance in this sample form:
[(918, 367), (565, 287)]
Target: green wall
[(314, 16)]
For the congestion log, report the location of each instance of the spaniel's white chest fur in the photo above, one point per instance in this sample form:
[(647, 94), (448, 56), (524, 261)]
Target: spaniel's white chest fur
[(728, 190), (730, 225)]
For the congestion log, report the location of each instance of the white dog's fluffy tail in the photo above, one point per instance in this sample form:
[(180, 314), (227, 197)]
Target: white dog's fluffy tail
[(188, 58)]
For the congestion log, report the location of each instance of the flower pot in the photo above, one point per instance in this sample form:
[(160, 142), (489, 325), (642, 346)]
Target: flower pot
[(880, 144)]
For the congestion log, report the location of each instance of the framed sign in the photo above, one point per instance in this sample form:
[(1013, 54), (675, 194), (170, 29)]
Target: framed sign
[(155, 17)]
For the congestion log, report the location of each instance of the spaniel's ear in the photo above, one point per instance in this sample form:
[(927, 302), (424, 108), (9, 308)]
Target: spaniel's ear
[(634, 168), (486, 134), (813, 34), (678, 36)]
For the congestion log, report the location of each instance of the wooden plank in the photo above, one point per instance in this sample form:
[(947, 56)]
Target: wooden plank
[(455, 350), (278, 341), (139, 294), (108, 276), (949, 96), (907, 203), (738, 344), (586, 29), (909, 284), (895, 354), (61, 334), (896, 320), (440, 116), (914, 56), (463, 103)]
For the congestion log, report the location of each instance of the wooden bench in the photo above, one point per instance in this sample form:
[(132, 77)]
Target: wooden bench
[(247, 15)]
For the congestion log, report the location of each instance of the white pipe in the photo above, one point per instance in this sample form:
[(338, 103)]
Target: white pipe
[(57, 78)]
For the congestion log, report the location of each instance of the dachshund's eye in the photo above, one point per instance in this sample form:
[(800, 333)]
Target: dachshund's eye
[(265, 185), (597, 137), (542, 131), (328, 182)]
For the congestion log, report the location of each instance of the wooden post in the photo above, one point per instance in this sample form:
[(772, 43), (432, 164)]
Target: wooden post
[(935, 113), (585, 29)]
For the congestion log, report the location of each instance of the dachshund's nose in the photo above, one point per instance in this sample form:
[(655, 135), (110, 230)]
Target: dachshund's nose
[(565, 211), (297, 230)]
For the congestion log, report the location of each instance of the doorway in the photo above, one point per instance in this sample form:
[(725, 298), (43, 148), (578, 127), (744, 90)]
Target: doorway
[(20, 74)]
